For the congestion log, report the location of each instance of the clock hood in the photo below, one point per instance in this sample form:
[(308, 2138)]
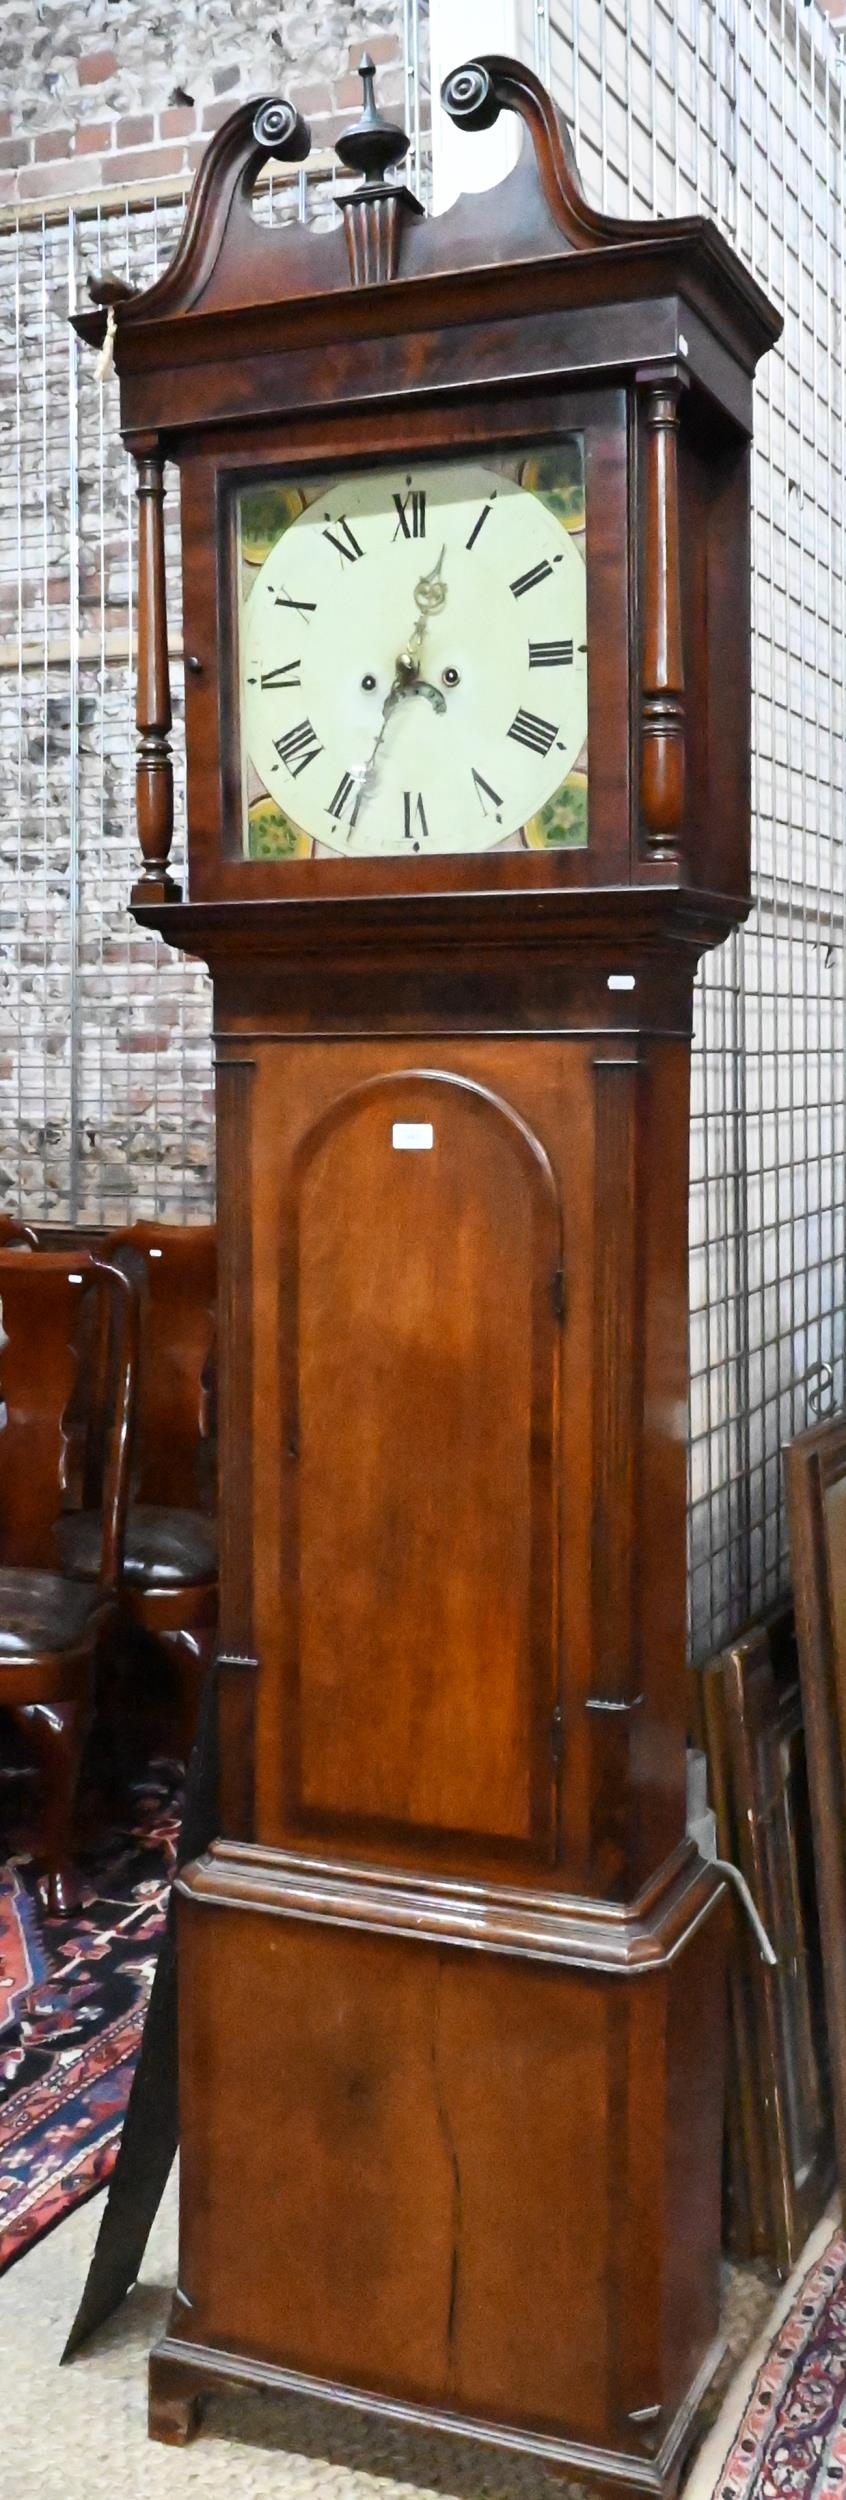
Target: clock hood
[(412, 305)]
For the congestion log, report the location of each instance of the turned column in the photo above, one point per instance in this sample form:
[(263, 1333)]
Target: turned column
[(662, 720), (154, 768)]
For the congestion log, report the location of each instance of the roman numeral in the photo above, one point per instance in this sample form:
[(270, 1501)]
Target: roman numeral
[(529, 731), (348, 545), (414, 820), (298, 747), (484, 791), (347, 789), (286, 675), (304, 607), (477, 526), (529, 581), (416, 527), (550, 654)]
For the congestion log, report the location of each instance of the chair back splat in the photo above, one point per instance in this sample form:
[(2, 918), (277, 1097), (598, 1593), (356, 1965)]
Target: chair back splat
[(174, 1269), (61, 1444)]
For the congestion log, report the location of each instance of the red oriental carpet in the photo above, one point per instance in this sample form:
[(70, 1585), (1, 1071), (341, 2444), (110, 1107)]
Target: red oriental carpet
[(781, 2433), (73, 1995)]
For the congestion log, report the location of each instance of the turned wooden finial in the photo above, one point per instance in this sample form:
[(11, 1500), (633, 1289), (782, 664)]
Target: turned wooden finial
[(374, 216), (371, 144)]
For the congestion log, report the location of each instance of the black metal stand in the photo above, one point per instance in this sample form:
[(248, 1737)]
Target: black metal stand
[(151, 2127)]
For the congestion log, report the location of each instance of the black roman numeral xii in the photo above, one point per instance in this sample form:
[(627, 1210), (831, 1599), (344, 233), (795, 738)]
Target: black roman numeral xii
[(411, 514)]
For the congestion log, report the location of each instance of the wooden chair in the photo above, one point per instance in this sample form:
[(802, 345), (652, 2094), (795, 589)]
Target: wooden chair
[(58, 1447), (16, 1235), (169, 1597)]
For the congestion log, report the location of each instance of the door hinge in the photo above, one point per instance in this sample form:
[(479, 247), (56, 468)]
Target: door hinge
[(557, 1290), (556, 1735)]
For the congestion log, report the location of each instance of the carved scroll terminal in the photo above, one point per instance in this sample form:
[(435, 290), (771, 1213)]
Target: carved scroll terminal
[(154, 769), (662, 718)]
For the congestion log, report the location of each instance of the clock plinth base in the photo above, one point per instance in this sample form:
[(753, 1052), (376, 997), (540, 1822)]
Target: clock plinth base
[(455, 2164), (183, 2376)]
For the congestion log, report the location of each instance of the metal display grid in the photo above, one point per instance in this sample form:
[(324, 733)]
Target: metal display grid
[(105, 1060), (732, 106), (104, 1035), (738, 108)]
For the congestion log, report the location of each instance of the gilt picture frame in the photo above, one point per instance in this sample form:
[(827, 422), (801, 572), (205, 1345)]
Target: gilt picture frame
[(815, 1486)]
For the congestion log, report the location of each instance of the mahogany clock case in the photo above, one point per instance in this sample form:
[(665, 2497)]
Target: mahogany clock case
[(451, 1978)]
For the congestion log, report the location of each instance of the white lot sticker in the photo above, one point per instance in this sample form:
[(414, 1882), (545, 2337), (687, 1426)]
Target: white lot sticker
[(412, 1136)]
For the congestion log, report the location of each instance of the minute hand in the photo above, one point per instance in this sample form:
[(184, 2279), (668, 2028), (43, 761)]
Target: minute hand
[(366, 776)]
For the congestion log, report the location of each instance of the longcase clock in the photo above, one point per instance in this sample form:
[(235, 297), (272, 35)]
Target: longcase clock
[(465, 522)]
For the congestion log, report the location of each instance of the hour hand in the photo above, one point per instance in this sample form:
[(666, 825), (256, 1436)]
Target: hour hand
[(429, 597), (431, 590)]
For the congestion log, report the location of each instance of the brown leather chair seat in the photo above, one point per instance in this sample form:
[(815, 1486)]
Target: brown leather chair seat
[(38, 1611), (164, 1547)]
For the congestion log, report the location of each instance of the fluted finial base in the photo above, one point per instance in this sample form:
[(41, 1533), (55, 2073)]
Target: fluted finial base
[(373, 224)]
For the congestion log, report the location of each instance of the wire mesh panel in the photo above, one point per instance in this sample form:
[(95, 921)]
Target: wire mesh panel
[(38, 887), (104, 1033), (142, 1141), (105, 1062), (737, 107)]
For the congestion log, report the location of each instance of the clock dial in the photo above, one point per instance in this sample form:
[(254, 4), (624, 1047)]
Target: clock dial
[(414, 661)]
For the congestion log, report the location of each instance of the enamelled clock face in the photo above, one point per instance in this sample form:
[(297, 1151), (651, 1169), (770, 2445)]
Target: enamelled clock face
[(414, 659)]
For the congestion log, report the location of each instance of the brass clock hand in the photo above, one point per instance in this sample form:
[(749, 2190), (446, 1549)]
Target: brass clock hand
[(429, 596)]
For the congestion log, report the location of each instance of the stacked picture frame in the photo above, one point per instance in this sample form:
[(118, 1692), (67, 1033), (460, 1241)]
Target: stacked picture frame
[(815, 1486), (747, 1713)]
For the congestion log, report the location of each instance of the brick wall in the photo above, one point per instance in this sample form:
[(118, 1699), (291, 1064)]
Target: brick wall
[(105, 1079), (119, 92)]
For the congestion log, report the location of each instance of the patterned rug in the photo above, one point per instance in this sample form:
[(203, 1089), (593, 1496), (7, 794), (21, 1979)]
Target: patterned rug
[(781, 2433), (73, 1994)]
